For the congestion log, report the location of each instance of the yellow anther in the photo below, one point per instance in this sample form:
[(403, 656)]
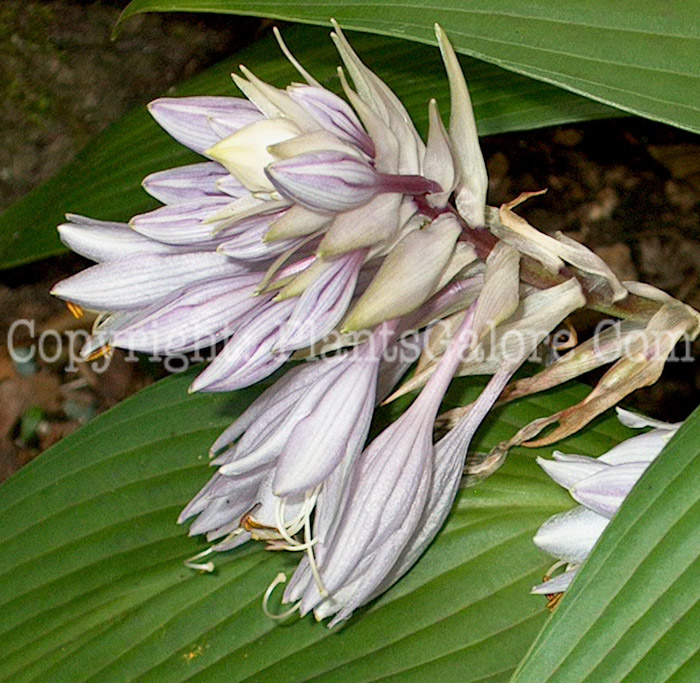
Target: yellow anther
[(76, 311), (553, 600), (105, 350)]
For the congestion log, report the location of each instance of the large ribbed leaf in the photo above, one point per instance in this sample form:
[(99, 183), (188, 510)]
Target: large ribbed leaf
[(633, 612), (640, 55), (92, 585), (104, 180)]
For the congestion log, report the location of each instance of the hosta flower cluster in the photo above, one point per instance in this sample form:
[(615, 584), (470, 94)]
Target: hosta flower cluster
[(326, 229), (600, 485)]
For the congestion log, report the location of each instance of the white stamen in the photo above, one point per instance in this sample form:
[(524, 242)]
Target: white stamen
[(287, 529), (554, 567), (280, 578), (200, 566), (312, 559), (282, 525)]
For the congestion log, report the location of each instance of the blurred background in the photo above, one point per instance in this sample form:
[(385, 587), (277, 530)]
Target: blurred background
[(628, 188)]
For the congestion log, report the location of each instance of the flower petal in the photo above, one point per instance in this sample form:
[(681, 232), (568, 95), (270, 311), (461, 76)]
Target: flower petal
[(567, 474), (408, 276), (334, 114), (641, 448), (473, 179), (187, 118), (245, 153), (320, 441), (198, 316), (438, 164), (248, 244), (325, 181), (637, 421), (384, 103), (181, 224), (372, 223), (186, 183), (285, 391), (450, 455), (140, 280), (323, 304), (605, 491), (318, 141), (105, 240), (559, 584), (248, 356), (297, 222), (571, 535)]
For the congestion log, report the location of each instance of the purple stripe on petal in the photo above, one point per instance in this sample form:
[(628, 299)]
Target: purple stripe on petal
[(325, 181), (334, 114), (78, 219), (323, 304), (138, 281), (284, 392), (248, 356), (255, 250), (258, 367), (187, 118), (248, 244), (266, 439), (197, 316), (185, 183), (181, 224), (224, 126), (320, 441)]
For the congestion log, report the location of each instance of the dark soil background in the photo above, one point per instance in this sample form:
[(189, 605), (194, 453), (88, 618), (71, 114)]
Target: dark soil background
[(628, 188)]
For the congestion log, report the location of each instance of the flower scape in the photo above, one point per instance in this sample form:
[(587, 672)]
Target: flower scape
[(325, 230)]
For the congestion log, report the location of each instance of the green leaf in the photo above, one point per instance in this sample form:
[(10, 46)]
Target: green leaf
[(93, 587), (642, 56), (104, 180), (632, 613)]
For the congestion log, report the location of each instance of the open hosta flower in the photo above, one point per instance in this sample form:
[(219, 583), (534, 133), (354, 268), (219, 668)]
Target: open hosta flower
[(600, 485), (324, 229)]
